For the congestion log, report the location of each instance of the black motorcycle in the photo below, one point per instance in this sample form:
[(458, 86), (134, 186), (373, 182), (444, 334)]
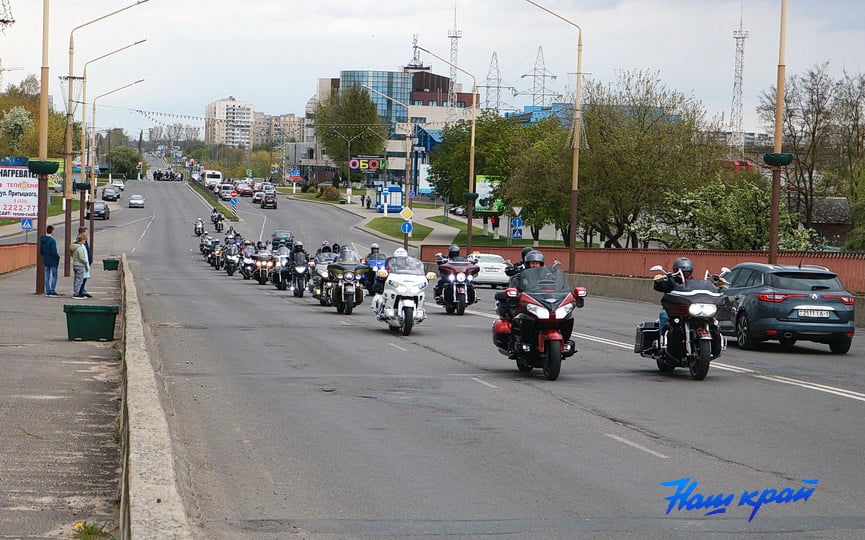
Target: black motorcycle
[(692, 338), (346, 291), (263, 266), (247, 264), (232, 258), (299, 274), (219, 223)]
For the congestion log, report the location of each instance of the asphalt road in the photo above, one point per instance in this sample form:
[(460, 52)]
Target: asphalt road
[(291, 420)]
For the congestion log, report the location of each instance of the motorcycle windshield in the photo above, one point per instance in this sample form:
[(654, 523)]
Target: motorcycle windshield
[(693, 291), (376, 260), (299, 259), (405, 265), (543, 280)]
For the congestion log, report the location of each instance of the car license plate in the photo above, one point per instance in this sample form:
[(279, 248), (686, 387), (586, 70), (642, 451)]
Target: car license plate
[(814, 313)]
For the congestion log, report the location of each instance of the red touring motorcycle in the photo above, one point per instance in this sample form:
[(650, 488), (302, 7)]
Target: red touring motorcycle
[(536, 320), (458, 290)]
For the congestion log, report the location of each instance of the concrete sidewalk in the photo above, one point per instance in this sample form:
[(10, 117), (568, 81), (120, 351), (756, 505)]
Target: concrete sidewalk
[(59, 445)]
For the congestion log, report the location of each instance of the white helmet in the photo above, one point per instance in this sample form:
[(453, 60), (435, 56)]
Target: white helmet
[(400, 252)]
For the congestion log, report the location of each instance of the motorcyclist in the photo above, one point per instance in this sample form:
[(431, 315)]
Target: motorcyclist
[(452, 256), (248, 248), (298, 248), (335, 247), (514, 269), (683, 270), (374, 250), (324, 248), (198, 227), (282, 249), (531, 259)]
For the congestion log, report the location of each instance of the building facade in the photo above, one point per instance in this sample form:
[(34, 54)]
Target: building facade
[(229, 122)]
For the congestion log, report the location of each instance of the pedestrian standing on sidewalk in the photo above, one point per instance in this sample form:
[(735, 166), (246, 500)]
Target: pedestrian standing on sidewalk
[(83, 230), (80, 267), (51, 259)]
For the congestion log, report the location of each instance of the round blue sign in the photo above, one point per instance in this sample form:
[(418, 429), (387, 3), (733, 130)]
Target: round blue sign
[(406, 227), (517, 221)]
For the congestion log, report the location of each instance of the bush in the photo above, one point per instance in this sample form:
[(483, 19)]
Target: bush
[(331, 194)]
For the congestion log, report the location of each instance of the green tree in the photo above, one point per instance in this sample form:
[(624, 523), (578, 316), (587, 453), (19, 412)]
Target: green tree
[(642, 140), (14, 124), (124, 160), (349, 117)]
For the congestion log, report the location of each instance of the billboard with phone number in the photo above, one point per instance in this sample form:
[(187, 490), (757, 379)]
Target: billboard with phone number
[(19, 193)]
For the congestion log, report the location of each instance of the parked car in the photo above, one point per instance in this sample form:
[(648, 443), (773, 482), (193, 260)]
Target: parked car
[(256, 199), (458, 211), (118, 184), (787, 303), (269, 200), (492, 269), (136, 201), (110, 193), (100, 210)]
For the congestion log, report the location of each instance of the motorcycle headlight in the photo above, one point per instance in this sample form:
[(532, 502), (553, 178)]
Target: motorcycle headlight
[(269, 264), (538, 311), (703, 310), (565, 310), (300, 269), (461, 277), (451, 277), (400, 288), (257, 264), (470, 277), (348, 276)]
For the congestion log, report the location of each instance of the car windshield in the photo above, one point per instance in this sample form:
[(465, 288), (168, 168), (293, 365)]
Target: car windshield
[(405, 265), (806, 281), (543, 279)]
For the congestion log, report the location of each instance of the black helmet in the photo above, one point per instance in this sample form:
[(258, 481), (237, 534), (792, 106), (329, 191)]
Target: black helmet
[(526, 251), (453, 251), (685, 265), (534, 256)]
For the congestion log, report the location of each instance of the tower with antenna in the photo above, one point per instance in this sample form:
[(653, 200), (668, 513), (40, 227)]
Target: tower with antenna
[(493, 85), (454, 36), (737, 133)]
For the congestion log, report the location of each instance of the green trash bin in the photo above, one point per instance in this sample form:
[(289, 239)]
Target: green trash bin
[(89, 322), (110, 264)]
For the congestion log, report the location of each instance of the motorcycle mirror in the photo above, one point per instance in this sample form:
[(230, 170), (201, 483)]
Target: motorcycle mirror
[(430, 275), (511, 292), (556, 263), (724, 270), (580, 292), (657, 268)]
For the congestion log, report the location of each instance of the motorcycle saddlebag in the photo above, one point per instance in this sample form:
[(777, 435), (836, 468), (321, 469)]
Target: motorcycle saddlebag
[(647, 332), (501, 333)]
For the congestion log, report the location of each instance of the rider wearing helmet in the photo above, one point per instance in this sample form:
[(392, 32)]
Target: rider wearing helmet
[(453, 256), (534, 259), (683, 270), (324, 248), (248, 248), (373, 250), (298, 249)]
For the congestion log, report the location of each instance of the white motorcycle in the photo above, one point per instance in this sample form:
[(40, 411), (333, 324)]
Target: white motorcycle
[(400, 292)]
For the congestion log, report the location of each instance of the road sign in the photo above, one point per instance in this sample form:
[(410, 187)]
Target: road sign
[(233, 201), (26, 224), (411, 194), (406, 227), (517, 222), (249, 173), (233, 194), (517, 210), (406, 213), (517, 233)]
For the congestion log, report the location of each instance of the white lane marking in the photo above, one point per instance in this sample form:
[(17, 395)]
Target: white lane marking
[(395, 346), (813, 386), (475, 379), (637, 446), (734, 369), (346, 323), (140, 238), (603, 340)]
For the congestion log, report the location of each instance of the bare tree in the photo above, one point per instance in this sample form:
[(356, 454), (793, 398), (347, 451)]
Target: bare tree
[(850, 135)]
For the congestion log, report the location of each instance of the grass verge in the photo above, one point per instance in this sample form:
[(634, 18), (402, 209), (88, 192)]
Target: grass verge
[(478, 238), (391, 227)]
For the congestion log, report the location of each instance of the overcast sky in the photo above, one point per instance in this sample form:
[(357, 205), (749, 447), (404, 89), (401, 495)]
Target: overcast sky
[(272, 52)]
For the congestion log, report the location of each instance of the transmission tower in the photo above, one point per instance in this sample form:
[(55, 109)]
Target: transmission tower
[(493, 85), (454, 36), (6, 18), (2, 69), (737, 134), (539, 80)]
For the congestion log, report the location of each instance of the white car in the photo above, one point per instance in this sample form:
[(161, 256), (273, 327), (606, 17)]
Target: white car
[(118, 184), (492, 269), (136, 201)]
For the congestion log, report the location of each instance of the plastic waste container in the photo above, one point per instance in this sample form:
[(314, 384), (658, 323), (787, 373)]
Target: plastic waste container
[(110, 264), (90, 322)]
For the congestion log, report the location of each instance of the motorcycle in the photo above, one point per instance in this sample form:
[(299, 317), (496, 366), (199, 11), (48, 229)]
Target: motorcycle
[(345, 290), (401, 301), (458, 291), (232, 259), (211, 248), (219, 223), (299, 274), (281, 271), (376, 262), (692, 339), (247, 265), (320, 286), (217, 257), (263, 265), (536, 320), (198, 228)]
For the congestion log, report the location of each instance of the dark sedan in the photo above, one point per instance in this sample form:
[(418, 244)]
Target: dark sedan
[(787, 303), (100, 210), (110, 193), (269, 200)]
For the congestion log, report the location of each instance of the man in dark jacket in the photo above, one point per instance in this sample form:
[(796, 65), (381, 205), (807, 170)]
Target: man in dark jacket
[(51, 259)]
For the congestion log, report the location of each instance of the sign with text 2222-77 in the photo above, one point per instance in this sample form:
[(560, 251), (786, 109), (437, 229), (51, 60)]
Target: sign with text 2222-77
[(19, 193)]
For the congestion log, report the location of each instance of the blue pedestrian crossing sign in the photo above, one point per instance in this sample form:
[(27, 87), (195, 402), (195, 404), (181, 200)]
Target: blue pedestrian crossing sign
[(406, 227), (234, 202), (517, 233), (26, 224)]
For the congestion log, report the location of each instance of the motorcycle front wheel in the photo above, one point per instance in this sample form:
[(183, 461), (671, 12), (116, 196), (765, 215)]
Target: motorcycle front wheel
[(407, 320), (699, 365), (461, 306), (230, 272), (349, 306), (554, 360)]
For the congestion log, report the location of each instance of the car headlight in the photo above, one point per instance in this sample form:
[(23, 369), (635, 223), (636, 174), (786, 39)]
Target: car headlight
[(461, 277), (565, 309), (703, 310), (539, 311), (348, 276)]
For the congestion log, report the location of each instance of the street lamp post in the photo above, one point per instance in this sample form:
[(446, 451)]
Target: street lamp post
[(93, 145), (777, 159), (85, 155), (578, 120), (471, 196), (67, 174), (42, 197), (407, 160)]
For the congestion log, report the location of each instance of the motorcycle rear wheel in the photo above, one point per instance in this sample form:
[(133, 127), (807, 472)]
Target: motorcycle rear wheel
[(699, 365), (554, 360), (407, 320)]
